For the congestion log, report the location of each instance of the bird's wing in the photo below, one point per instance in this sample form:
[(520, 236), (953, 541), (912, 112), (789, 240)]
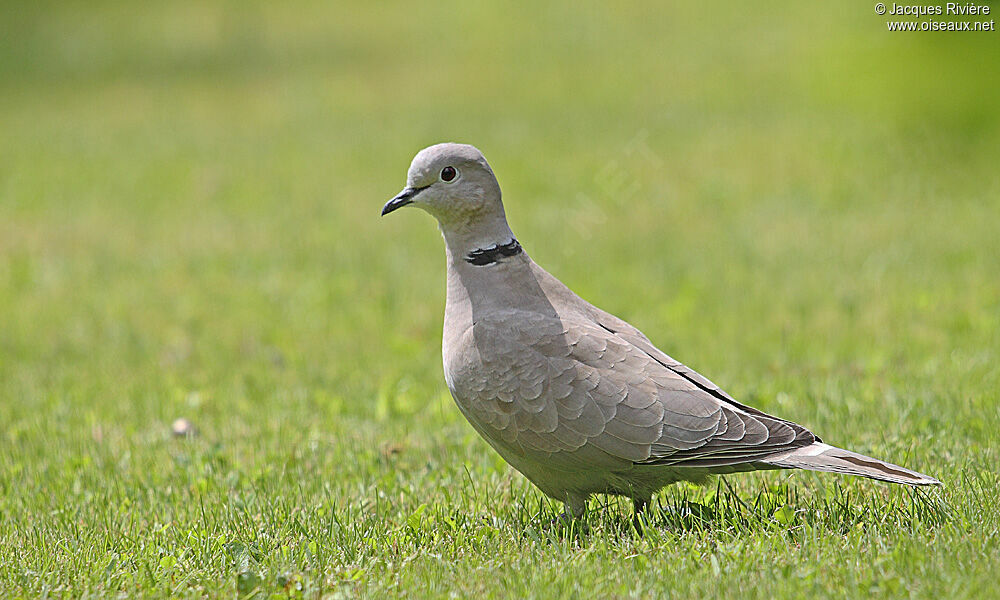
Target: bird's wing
[(552, 385), (632, 335)]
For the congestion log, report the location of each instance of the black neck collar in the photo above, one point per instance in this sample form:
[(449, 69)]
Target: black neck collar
[(493, 254)]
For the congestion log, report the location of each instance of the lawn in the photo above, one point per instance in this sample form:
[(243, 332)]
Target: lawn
[(789, 198)]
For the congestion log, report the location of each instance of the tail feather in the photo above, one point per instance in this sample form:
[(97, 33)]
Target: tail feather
[(823, 457)]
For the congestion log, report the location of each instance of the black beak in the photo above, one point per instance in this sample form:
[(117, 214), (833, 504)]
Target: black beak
[(402, 199)]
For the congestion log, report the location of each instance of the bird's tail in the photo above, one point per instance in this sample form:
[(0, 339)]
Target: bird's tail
[(823, 457)]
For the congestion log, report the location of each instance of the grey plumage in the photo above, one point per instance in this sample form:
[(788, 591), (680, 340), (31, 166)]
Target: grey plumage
[(574, 398)]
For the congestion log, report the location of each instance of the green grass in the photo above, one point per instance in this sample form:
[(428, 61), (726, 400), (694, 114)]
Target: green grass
[(790, 199)]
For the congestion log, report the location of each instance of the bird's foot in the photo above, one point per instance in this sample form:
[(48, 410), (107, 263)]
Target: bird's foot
[(568, 522), (574, 509)]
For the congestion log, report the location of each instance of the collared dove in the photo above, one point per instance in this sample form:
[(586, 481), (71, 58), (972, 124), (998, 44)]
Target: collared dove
[(574, 398)]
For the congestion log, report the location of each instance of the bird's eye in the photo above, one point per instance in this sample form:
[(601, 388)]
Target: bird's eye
[(449, 174)]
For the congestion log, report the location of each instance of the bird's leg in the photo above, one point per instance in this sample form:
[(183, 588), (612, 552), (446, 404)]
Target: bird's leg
[(574, 507), (640, 505)]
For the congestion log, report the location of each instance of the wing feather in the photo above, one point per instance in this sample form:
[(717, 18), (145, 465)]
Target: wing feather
[(555, 386)]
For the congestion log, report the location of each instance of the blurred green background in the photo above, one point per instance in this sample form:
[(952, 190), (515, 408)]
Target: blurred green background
[(786, 196)]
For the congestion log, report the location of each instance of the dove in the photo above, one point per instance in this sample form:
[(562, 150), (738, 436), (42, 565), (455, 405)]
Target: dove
[(577, 400)]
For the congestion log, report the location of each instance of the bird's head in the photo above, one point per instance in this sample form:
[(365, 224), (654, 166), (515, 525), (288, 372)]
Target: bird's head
[(454, 183)]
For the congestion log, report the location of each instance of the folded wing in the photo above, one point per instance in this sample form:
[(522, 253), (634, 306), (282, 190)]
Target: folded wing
[(552, 386)]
